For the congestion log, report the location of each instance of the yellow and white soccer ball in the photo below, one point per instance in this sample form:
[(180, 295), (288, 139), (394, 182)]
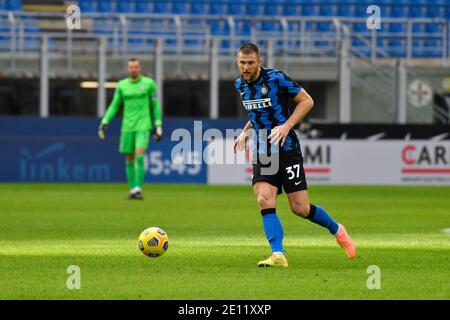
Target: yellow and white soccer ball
[(153, 242)]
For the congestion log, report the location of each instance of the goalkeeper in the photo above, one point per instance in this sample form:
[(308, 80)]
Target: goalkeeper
[(141, 111)]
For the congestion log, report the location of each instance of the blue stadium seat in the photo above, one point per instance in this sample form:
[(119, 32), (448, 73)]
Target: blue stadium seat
[(112, 43), (292, 8), (253, 7), (359, 11), (325, 26), (161, 7), (198, 7), (434, 37), (5, 43), (294, 26), (30, 24), (216, 8), (359, 27), (361, 48), (326, 10), (192, 45), (105, 6), (13, 5), (138, 41), (418, 27), (398, 11), (124, 6), (309, 10), (87, 6), (2, 5), (357, 43), (234, 8), (103, 27), (142, 6), (396, 42), (433, 28), (428, 40), (179, 7), (447, 12), (243, 27), (433, 48), (416, 11), (396, 48), (418, 48), (4, 31), (192, 29), (428, 48), (31, 42), (273, 8), (219, 27), (396, 27), (434, 11), (344, 10), (273, 27)]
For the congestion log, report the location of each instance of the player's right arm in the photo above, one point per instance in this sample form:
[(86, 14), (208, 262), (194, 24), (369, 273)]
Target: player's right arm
[(110, 112), (241, 143)]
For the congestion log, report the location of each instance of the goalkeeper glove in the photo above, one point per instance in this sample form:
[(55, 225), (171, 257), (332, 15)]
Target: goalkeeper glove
[(101, 130), (157, 133)]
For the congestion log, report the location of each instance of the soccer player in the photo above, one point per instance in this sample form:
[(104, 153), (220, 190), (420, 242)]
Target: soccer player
[(141, 110), (265, 93)]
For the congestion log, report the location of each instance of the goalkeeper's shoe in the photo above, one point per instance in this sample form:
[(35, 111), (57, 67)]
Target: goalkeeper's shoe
[(138, 196), (344, 240), (135, 196), (275, 260)]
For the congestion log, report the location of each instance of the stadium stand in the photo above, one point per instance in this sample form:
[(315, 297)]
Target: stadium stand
[(410, 28)]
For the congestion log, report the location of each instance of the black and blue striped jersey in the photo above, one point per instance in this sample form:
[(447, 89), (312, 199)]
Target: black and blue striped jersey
[(267, 103)]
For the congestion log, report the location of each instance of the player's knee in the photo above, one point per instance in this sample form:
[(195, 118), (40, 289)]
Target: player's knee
[(300, 209), (265, 201), (129, 157)]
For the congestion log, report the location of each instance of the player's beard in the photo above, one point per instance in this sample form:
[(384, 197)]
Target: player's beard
[(251, 76), (134, 76)]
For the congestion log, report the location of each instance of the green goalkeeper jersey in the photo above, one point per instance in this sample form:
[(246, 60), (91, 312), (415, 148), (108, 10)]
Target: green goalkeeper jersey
[(139, 105)]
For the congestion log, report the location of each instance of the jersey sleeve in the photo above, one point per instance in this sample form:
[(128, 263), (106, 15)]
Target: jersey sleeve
[(155, 108), (114, 106), (237, 85), (288, 86)]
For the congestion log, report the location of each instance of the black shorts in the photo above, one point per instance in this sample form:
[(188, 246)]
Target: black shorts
[(290, 175)]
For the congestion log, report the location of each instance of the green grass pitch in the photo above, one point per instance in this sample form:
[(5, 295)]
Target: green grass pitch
[(216, 239)]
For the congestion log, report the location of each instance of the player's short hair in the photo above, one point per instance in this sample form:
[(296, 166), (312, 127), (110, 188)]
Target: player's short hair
[(249, 48), (133, 60)]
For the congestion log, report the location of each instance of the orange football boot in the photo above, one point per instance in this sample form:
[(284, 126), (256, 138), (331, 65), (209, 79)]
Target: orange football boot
[(344, 240)]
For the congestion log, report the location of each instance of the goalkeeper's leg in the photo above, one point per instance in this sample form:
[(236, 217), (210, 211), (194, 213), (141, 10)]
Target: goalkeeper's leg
[(127, 147), (130, 170), (142, 141), (140, 170)]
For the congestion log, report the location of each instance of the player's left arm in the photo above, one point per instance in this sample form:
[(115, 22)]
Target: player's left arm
[(304, 104), (155, 111)]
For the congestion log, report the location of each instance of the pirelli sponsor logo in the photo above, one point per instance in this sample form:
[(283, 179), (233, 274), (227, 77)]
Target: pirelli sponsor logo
[(257, 104)]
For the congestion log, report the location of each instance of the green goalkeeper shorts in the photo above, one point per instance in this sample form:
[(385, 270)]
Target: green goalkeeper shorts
[(130, 141)]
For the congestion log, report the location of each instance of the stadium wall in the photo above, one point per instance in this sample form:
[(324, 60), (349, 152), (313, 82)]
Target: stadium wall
[(68, 150)]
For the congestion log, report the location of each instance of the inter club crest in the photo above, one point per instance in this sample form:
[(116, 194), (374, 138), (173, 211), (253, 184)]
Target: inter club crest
[(264, 90)]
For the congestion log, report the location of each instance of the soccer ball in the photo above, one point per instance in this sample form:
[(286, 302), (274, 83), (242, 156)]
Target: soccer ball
[(153, 242)]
